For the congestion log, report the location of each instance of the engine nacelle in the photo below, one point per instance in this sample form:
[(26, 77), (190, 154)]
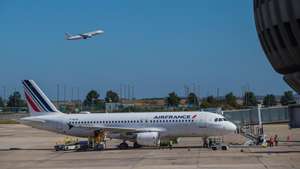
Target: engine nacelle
[(148, 139)]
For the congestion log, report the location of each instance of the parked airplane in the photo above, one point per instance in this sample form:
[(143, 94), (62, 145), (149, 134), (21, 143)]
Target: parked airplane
[(84, 35), (146, 129)]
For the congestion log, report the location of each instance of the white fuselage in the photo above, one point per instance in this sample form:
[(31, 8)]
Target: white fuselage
[(85, 35), (170, 124)]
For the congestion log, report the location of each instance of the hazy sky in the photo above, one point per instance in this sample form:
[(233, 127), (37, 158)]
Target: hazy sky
[(157, 46)]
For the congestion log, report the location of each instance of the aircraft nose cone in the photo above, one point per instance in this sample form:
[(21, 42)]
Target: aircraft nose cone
[(231, 127)]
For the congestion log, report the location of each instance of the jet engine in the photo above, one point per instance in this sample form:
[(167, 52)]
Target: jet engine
[(148, 139)]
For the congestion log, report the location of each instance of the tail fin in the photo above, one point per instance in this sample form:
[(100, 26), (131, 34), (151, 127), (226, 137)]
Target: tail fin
[(67, 35), (38, 103)]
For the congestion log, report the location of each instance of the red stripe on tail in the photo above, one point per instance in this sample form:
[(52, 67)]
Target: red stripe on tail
[(32, 104)]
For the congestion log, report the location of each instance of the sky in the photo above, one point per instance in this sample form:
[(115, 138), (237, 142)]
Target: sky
[(156, 46)]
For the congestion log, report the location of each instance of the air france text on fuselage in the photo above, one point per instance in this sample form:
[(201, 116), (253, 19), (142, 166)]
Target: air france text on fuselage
[(172, 117)]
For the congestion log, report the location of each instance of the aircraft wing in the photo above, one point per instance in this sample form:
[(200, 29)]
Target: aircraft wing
[(85, 35), (90, 34), (116, 129)]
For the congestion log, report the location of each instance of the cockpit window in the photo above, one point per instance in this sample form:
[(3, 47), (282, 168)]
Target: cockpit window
[(220, 119)]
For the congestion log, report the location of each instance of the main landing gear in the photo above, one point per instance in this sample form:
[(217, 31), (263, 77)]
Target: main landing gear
[(123, 145), (136, 145)]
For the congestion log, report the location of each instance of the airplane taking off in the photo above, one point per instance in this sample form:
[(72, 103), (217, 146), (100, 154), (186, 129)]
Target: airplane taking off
[(143, 129), (84, 35)]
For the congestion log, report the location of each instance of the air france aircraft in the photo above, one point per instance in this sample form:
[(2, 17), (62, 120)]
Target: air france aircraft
[(143, 129), (84, 35)]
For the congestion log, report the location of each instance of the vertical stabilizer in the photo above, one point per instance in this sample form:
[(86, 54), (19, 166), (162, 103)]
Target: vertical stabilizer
[(38, 103)]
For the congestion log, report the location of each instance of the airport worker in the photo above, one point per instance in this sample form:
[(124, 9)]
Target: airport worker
[(276, 139), (271, 141)]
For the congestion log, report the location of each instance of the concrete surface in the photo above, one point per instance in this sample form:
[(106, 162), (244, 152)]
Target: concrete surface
[(36, 151)]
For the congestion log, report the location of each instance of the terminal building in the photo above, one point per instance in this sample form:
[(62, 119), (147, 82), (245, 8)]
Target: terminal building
[(278, 28)]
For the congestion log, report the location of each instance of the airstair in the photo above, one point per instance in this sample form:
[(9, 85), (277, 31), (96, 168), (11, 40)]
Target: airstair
[(253, 133)]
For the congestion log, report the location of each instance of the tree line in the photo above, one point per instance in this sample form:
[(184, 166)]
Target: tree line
[(229, 101)]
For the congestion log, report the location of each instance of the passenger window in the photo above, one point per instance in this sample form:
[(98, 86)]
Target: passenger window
[(216, 119)]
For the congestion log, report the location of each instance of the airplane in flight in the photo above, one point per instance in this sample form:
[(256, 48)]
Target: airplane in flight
[(143, 129), (83, 35)]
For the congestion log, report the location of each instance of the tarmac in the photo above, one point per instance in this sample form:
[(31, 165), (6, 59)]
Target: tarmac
[(25, 147)]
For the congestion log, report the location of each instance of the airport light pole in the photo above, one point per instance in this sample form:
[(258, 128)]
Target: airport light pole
[(57, 95), (261, 131), (4, 94)]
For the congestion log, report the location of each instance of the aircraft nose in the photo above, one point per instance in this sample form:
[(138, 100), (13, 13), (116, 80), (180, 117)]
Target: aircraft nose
[(231, 127)]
